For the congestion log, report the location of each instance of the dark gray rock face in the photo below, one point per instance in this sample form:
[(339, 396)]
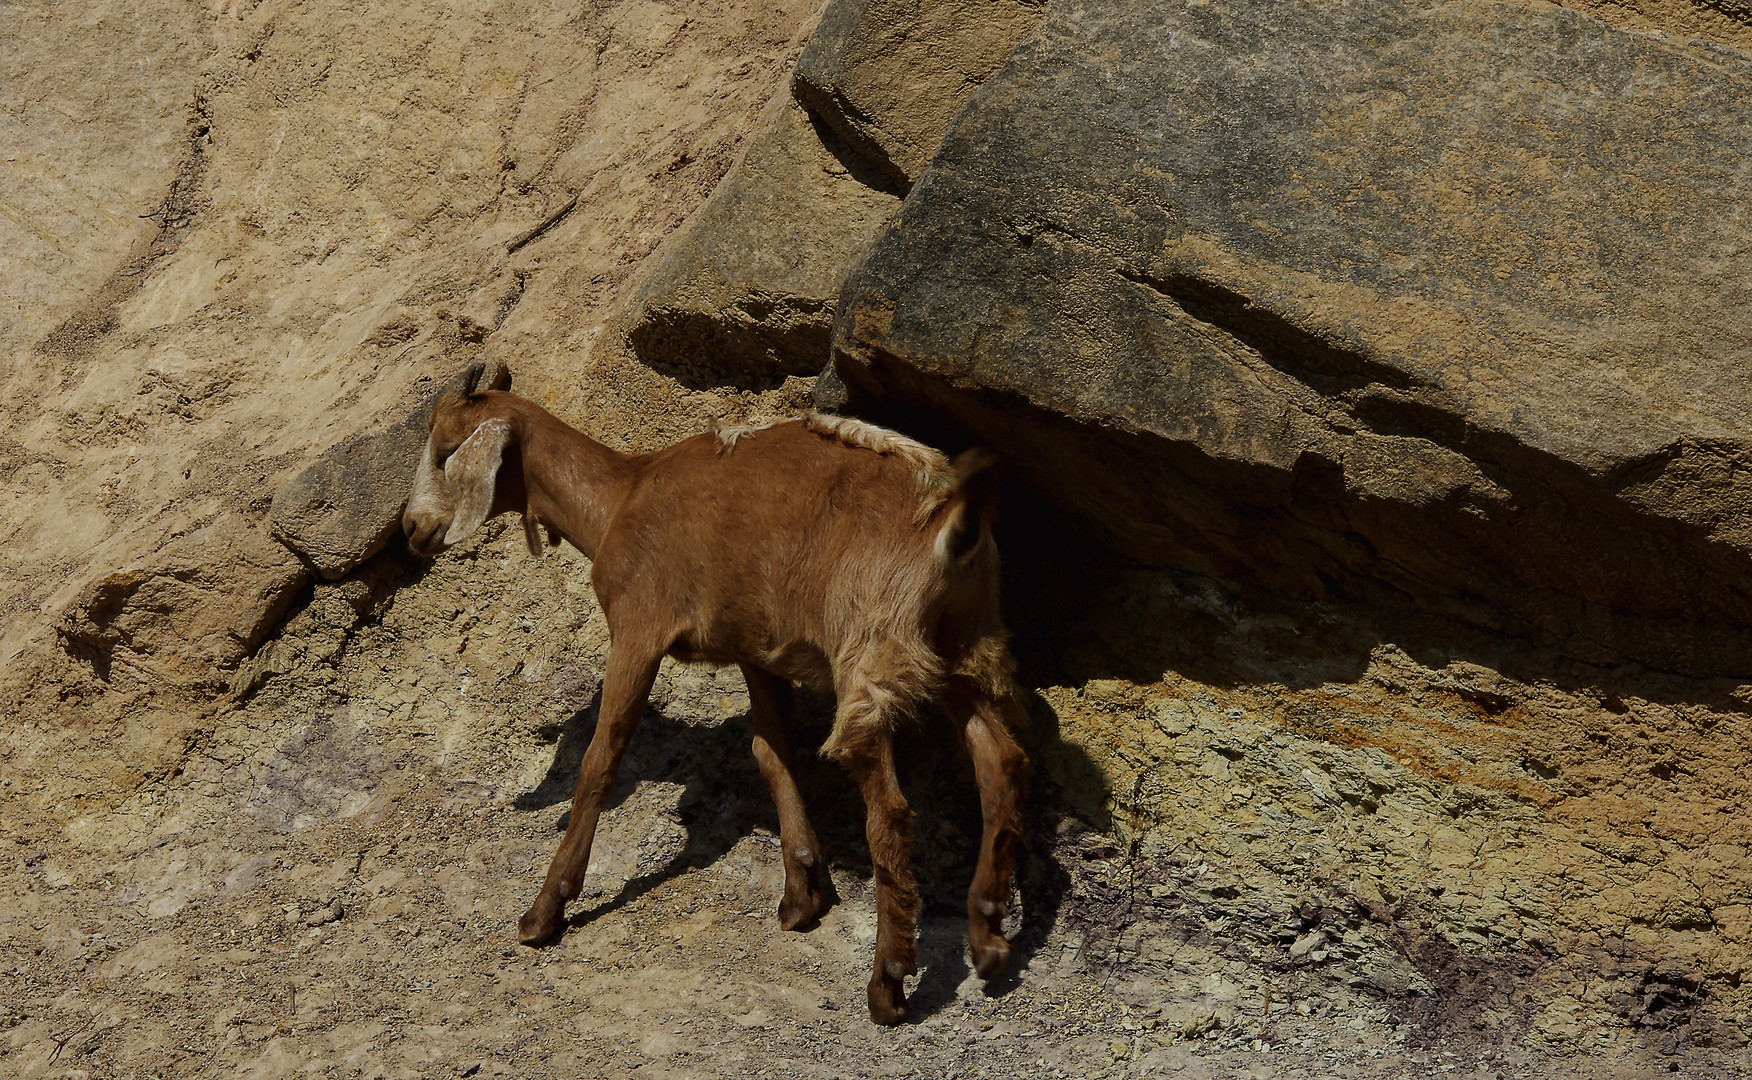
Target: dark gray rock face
[(745, 294), (346, 505), (1268, 291)]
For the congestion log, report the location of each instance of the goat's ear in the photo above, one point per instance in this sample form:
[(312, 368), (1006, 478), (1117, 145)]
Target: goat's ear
[(481, 376), (471, 472)]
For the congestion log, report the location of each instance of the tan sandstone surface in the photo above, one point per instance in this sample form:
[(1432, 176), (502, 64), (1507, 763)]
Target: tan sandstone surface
[(264, 820)]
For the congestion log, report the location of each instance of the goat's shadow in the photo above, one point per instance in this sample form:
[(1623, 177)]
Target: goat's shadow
[(724, 798)]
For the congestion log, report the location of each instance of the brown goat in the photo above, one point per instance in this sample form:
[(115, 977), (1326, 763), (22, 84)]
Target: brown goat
[(822, 551)]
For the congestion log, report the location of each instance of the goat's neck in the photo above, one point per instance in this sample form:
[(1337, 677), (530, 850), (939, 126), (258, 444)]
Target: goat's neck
[(572, 482)]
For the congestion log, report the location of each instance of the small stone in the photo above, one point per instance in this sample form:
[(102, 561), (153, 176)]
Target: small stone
[(1307, 943), (1201, 1025), (327, 913)]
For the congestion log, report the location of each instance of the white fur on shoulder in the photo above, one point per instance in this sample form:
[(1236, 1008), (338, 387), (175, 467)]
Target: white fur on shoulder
[(930, 463), (727, 435)]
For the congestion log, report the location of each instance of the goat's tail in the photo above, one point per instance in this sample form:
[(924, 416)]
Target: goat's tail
[(972, 508)]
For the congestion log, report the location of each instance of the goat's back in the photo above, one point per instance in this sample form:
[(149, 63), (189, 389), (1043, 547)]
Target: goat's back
[(787, 548)]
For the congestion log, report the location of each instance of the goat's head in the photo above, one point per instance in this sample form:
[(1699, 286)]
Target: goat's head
[(457, 484)]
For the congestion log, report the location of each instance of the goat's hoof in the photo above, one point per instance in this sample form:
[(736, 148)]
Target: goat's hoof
[(540, 924), (887, 1001), (801, 911), (989, 959)]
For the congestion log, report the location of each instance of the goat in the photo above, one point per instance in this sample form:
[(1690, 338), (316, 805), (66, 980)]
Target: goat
[(823, 551)]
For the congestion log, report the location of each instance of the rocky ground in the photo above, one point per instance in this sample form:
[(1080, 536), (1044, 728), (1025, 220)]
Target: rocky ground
[(325, 879)]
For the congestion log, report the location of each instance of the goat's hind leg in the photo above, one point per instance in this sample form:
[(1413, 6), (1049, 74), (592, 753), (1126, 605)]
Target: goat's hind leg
[(869, 755), (625, 687), (1001, 769), (770, 703)]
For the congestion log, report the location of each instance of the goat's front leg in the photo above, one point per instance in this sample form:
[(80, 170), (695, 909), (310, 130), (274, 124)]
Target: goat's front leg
[(888, 824), (625, 687), (1001, 768), (769, 700)]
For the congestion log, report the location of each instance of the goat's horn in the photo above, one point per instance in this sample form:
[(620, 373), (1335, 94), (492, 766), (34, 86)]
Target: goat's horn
[(472, 377)]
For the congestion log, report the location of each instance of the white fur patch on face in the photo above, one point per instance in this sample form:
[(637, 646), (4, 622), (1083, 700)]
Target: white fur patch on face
[(470, 475), (431, 496)]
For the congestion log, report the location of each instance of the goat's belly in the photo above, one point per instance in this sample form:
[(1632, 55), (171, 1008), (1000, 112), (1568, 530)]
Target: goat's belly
[(801, 664), (690, 651), (788, 652), (699, 656)]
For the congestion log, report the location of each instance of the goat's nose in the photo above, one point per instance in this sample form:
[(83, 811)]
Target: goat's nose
[(419, 532)]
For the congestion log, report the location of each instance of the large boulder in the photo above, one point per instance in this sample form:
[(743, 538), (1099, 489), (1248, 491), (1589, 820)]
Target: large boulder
[(745, 294), (1263, 292), (889, 75)]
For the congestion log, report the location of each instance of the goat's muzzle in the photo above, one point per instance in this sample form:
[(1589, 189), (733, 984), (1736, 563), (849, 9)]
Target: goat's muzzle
[(425, 532)]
